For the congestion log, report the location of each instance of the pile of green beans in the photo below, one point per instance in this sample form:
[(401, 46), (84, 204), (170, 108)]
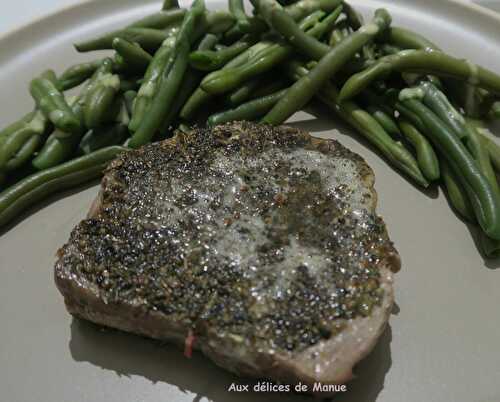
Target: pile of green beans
[(426, 112)]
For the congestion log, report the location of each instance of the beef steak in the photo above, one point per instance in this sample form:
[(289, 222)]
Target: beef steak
[(259, 246)]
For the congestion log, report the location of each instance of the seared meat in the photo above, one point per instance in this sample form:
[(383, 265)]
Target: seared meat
[(260, 246)]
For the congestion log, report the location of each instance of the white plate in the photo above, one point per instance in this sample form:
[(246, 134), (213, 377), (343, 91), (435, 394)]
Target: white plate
[(442, 343)]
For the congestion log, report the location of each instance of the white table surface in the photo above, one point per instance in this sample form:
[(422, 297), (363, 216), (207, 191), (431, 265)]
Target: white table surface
[(18, 13)]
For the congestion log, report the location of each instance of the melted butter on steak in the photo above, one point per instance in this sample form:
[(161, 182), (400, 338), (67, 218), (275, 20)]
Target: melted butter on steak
[(248, 231)]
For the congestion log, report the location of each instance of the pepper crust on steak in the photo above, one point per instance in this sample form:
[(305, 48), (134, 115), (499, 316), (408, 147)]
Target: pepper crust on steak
[(260, 246)]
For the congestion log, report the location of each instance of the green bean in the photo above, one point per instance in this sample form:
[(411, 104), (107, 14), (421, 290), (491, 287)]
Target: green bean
[(13, 127), (55, 151), (25, 153), (102, 137), (3, 178), (303, 8), (134, 57), (311, 20), (247, 111), (437, 101), (278, 19), (389, 49), (439, 104), (45, 190), (223, 81), (215, 22), (384, 119), (426, 157), (171, 78), (354, 18), (98, 108), (160, 20), (407, 39), (492, 147), (339, 33), (208, 42), (189, 84), (148, 38), (428, 62), (77, 74), (456, 193), (151, 83), (209, 60), (366, 125), (494, 112), (61, 146), (200, 97), (326, 25), (170, 4), (129, 98), (479, 150), (238, 10), (53, 104), (485, 199), (304, 89), (17, 198), (12, 143), (256, 88)]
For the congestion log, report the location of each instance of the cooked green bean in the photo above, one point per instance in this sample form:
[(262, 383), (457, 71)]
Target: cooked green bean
[(77, 74), (25, 153), (17, 199), (208, 42), (98, 107), (407, 39), (492, 147), (151, 83), (201, 97), (209, 60), (102, 137), (485, 199), (61, 146), (311, 20), (134, 58), (148, 38), (170, 4), (354, 18), (457, 195), (129, 98), (437, 101), (171, 78), (303, 8), (13, 127), (237, 8), (27, 192), (326, 25), (19, 134), (420, 61), (53, 104), (384, 119), (304, 89), (159, 21), (225, 80), (247, 111), (278, 19), (189, 84), (479, 150), (55, 151), (256, 88), (426, 156)]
